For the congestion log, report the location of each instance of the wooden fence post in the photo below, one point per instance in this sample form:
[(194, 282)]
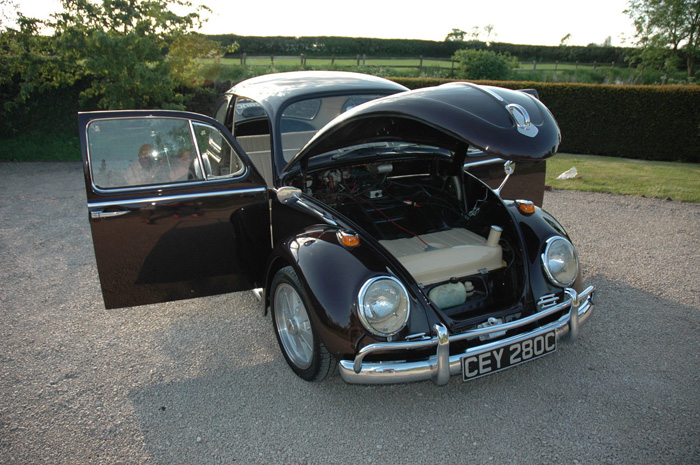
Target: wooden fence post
[(302, 60), (420, 66), (243, 58), (358, 60), (364, 59), (534, 65), (272, 60)]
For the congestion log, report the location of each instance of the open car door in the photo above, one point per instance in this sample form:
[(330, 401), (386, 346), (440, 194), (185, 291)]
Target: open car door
[(175, 207)]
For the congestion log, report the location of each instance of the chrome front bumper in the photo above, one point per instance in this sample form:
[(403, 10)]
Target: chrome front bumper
[(442, 365)]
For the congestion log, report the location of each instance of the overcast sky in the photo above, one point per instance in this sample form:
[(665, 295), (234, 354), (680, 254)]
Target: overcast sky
[(537, 22)]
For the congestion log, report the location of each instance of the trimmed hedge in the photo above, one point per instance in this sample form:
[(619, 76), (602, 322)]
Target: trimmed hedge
[(353, 46), (644, 122)]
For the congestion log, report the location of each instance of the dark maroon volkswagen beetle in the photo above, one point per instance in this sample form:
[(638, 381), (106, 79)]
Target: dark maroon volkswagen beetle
[(351, 205)]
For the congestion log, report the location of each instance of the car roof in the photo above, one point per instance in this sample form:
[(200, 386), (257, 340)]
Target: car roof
[(273, 90)]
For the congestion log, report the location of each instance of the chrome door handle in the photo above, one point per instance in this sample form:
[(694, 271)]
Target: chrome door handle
[(103, 214)]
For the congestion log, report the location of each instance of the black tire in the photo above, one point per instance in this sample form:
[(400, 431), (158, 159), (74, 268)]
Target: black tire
[(296, 335)]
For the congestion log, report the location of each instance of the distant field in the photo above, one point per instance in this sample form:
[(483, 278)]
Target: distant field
[(391, 62), (340, 62)]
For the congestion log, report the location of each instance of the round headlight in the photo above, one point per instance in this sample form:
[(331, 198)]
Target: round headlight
[(383, 306), (560, 262)]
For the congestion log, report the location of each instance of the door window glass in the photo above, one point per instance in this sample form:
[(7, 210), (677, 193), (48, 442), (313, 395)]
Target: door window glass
[(127, 152)]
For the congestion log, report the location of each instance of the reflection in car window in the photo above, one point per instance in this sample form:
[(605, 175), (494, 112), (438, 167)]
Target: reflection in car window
[(222, 111), (306, 109), (128, 152), (218, 157)]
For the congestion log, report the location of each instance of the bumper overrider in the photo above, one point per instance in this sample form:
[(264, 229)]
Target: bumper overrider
[(442, 365)]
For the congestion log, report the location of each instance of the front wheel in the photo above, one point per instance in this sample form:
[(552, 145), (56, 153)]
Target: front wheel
[(301, 347)]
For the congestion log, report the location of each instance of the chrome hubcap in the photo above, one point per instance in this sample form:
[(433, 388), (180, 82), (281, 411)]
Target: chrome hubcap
[(293, 326)]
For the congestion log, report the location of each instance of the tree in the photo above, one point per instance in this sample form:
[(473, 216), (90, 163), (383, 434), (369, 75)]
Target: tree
[(182, 53), (484, 64), (8, 9), (122, 47), (457, 35), (667, 30)]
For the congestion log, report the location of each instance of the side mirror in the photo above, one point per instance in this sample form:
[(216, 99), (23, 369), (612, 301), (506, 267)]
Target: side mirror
[(286, 194), (508, 169)]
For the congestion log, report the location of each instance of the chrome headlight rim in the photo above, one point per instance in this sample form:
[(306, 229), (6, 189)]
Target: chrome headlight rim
[(549, 243), (361, 306)]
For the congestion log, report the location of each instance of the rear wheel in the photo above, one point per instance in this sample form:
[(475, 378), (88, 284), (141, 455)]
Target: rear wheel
[(301, 347)]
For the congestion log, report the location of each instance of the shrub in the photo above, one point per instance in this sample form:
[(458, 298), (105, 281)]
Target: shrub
[(484, 64)]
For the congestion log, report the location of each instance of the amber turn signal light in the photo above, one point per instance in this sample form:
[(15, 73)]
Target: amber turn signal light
[(348, 239), (525, 206)]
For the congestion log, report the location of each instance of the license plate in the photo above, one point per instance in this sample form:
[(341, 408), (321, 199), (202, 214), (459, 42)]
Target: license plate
[(485, 363)]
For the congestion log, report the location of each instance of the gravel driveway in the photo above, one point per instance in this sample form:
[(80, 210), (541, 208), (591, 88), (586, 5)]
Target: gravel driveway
[(203, 382)]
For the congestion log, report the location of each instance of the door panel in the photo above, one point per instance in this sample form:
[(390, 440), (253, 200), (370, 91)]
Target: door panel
[(526, 183), (183, 223)]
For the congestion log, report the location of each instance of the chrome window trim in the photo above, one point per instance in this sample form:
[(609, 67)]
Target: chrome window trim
[(208, 177), (124, 189), (150, 187)]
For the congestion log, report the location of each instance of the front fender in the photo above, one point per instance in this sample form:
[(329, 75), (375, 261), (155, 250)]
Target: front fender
[(332, 275), (536, 228)]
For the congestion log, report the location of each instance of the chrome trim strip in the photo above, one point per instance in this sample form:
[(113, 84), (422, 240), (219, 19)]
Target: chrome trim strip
[(547, 301), (171, 198), (474, 164), (103, 214), (485, 90), (325, 217), (440, 366)]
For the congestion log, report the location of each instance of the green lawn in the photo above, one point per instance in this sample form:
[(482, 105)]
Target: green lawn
[(678, 181)]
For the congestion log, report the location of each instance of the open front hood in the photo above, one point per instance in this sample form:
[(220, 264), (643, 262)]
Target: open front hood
[(504, 123)]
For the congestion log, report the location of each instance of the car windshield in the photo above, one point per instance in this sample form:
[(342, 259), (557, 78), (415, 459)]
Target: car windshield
[(302, 119)]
